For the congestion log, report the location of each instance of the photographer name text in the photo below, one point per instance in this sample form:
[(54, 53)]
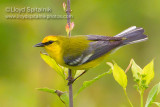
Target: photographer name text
[(28, 10)]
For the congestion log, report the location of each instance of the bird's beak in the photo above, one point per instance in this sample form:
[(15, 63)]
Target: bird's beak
[(39, 45)]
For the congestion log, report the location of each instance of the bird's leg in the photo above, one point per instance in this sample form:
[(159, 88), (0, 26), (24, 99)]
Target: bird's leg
[(71, 82)]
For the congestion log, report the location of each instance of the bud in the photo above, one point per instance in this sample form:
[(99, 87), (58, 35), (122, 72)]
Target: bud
[(64, 6), (67, 28), (71, 27)]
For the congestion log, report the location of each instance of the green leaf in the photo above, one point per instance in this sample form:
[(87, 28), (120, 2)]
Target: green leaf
[(136, 71), (52, 63), (157, 103), (88, 83), (120, 76), (148, 72), (152, 95), (65, 98), (47, 90)]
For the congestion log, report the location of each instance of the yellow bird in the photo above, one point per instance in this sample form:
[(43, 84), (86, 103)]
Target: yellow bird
[(87, 51)]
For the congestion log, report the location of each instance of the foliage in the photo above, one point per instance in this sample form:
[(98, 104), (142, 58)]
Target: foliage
[(152, 95), (142, 77), (52, 63), (63, 96), (121, 78), (47, 90)]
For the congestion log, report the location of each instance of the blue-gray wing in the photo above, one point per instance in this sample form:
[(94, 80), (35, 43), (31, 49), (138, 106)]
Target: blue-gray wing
[(99, 46)]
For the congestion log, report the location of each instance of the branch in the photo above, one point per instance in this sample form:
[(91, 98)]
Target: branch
[(70, 88), (68, 11), (69, 70)]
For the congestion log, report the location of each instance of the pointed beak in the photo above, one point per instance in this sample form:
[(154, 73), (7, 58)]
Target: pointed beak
[(39, 45)]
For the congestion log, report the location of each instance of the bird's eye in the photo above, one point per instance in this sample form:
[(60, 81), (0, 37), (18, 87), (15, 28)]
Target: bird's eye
[(49, 42)]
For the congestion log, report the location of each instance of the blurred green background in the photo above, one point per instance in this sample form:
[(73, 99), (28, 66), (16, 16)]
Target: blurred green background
[(22, 70)]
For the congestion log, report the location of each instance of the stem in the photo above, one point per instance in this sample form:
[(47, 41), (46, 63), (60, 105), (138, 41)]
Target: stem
[(68, 15), (69, 70), (128, 97), (70, 88), (141, 94), (77, 77)]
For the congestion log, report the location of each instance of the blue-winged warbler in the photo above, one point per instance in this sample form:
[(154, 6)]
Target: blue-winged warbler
[(86, 51)]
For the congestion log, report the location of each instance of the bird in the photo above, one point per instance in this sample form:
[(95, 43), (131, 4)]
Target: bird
[(82, 52)]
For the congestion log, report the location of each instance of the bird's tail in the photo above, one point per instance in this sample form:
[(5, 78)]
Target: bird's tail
[(132, 35)]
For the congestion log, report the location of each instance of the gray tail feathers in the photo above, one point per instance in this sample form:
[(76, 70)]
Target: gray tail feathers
[(132, 35)]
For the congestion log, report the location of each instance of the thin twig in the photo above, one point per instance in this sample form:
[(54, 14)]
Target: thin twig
[(69, 70), (128, 98), (68, 15), (70, 88), (129, 66)]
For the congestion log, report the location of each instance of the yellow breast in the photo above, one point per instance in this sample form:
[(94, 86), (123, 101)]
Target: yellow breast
[(56, 53)]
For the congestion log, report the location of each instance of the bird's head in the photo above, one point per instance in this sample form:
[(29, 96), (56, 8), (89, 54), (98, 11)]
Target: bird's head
[(52, 45), (48, 41)]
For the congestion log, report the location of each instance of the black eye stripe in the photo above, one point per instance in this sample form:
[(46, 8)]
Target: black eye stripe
[(49, 42)]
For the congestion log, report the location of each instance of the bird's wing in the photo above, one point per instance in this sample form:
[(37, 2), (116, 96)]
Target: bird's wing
[(98, 46)]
